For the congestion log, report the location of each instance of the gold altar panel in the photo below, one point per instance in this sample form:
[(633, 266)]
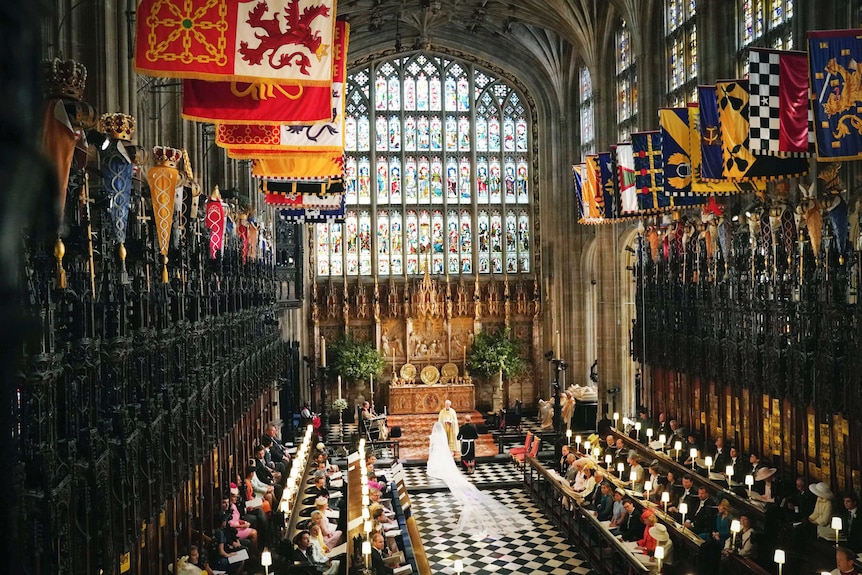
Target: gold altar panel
[(410, 399)]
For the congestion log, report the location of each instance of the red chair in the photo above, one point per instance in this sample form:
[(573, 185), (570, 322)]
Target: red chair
[(514, 451), (534, 450)]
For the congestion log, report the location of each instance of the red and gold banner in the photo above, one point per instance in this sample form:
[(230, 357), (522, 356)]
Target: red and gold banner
[(278, 41), (247, 114)]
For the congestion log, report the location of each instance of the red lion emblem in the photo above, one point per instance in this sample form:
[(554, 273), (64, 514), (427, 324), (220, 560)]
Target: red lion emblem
[(298, 31)]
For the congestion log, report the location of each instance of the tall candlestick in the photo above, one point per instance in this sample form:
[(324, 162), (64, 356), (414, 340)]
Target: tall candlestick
[(339, 387), (557, 345), (323, 352)]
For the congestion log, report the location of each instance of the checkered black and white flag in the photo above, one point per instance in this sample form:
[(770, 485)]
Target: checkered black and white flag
[(780, 119)]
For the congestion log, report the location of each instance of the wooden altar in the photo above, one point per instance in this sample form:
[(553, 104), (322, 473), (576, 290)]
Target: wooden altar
[(410, 399)]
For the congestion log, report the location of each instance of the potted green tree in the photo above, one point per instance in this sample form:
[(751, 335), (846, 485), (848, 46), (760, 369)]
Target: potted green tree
[(495, 354), (355, 360)]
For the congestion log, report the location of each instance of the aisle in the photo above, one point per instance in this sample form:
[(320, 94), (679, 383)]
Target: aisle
[(539, 550)]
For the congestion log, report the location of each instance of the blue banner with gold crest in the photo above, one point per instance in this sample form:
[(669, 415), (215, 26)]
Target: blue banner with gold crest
[(606, 185), (649, 172), (712, 161), (836, 84)]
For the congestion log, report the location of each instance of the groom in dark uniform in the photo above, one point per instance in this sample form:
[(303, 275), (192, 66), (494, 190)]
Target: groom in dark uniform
[(468, 435)]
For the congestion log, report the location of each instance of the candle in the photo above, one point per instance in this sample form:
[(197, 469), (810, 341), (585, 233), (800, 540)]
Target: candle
[(659, 554), (557, 345), (708, 462), (665, 498), (569, 436), (693, 455), (366, 551), (729, 472), (339, 387), (683, 509), (677, 447), (663, 440), (608, 460), (620, 468), (780, 559), (323, 352), (616, 418), (372, 387), (648, 488), (749, 481), (649, 434)]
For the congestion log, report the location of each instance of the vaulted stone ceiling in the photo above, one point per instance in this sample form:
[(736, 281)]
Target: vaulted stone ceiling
[(505, 28)]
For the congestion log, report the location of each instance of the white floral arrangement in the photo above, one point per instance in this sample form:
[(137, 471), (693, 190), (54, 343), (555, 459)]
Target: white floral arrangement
[(339, 404)]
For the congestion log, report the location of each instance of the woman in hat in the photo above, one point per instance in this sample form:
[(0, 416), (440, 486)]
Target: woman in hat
[(648, 543), (822, 515), (764, 476), (662, 539), (619, 513)]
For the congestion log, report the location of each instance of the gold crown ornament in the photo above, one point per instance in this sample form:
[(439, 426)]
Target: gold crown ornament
[(64, 79), (165, 156), (118, 126)]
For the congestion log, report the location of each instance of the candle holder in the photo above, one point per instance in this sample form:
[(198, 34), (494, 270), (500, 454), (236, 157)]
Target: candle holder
[(749, 481), (677, 446), (366, 553), (647, 489), (649, 433), (837, 525), (735, 528), (683, 509), (779, 559), (728, 471), (459, 566), (659, 555), (266, 560), (665, 499), (662, 438), (616, 418), (621, 467), (693, 455), (569, 437), (708, 462), (577, 443), (608, 460)]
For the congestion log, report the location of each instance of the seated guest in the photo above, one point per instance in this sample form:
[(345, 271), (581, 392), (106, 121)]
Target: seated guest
[(852, 521), (564, 460), (331, 535), (378, 553), (688, 493), (719, 455), (754, 465), (318, 489), (571, 469), (264, 474), (277, 467), (377, 497), (764, 478), (822, 514), (662, 425), (619, 513), (844, 562), (244, 530), (735, 461), (587, 486), (198, 558), (322, 505), (677, 433), (598, 477), (307, 554), (743, 544), (691, 442), (647, 543), (635, 478), (632, 528), (621, 454), (701, 517), (799, 503), (225, 545), (662, 537), (278, 449), (317, 538), (257, 488), (605, 503), (721, 525)]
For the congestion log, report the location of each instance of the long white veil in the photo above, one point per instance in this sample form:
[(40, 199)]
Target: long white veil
[(481, 514)]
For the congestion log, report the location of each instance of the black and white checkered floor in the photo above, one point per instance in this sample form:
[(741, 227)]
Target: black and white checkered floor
[(502, 472), (540, 550)]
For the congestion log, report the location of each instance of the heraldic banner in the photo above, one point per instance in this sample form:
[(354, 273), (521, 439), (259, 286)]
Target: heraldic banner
[(836, 85), (278, 41), (246, 113)]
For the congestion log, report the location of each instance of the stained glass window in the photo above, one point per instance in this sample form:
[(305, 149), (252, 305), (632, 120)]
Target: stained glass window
[(764, 23), (681, 47), (437, 173), (627, 83)]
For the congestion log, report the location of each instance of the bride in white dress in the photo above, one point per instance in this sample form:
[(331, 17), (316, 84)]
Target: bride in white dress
[(481, 514)]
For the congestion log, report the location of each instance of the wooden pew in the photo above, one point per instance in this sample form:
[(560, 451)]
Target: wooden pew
[(605, 553)]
